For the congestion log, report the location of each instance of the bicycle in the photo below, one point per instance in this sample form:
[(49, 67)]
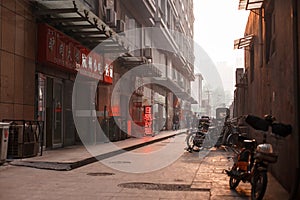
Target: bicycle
[(231, 134), (195, 137)]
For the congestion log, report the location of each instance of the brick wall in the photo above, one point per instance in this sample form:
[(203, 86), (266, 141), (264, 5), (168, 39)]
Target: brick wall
[(272, 88)]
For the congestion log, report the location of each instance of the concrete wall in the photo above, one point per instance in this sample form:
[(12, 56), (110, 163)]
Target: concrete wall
[(17, 56)]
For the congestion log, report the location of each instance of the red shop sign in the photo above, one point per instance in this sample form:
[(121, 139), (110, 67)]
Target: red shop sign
[(90, 64), (148, 120), (54, 47), (69, 54), (61, 50), (47, 44), (108, 71)]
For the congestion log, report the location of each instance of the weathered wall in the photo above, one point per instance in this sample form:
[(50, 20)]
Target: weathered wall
[(271, 90)]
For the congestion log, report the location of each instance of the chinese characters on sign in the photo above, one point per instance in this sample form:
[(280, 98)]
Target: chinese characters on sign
[(148, 120), (108, 71), (90, 64), (61, 50)]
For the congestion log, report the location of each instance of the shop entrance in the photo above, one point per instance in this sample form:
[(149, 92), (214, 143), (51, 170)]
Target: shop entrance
[(54, 107)]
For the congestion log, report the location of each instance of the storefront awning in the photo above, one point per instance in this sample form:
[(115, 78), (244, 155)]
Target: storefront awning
[(141, 65), (192, 100), (186, 96), (169, 84), (76, 20), (172, 86), (134, 61)]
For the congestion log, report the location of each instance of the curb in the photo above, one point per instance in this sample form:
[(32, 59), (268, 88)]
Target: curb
[(60, 166)]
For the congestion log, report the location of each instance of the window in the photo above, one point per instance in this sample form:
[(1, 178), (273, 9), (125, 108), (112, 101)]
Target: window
[(173, 74), (115, 5)]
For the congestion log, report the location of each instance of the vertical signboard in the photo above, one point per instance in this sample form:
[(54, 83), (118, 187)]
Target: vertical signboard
[(69, 54), (60, 49), (108, 71), (148, 120)]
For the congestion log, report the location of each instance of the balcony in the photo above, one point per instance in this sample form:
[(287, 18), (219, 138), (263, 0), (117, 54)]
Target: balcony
[(143, 67), (142, 9), (162, 37), (167, 83)]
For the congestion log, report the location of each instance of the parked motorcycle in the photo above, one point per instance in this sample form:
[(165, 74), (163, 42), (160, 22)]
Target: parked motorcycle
[(231, 135), (251, 163), (196, 136)]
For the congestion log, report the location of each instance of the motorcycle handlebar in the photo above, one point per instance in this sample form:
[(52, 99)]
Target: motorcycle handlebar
[(258, 123)]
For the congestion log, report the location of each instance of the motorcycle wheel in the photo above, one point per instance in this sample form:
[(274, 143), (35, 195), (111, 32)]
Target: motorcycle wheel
[(232, 140), (259, 185), (190, 141), (233, 183)]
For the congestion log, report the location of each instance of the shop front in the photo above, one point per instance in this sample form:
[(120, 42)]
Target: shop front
[(148, 109), (54, 107), (60, 58)]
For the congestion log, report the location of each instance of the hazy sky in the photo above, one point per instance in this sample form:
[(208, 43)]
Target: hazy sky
[(217, 24)]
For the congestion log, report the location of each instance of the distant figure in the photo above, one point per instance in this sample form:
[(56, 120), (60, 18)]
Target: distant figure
[(195, 121), (175, 122)]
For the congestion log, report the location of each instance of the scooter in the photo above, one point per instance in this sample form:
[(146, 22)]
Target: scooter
[(251, 163), (195, 137)]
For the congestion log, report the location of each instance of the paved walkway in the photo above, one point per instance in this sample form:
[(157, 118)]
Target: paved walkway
[(209, 175), (72, 157)]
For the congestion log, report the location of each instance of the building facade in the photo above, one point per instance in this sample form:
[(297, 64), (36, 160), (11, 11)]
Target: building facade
[(269, 83), (197, 91), (45, 44), (18, 56)]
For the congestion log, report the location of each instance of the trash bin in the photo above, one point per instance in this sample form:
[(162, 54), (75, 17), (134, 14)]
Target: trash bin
[(4, 131)]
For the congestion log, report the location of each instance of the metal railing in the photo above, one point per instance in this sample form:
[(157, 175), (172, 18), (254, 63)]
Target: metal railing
[(25, 138)]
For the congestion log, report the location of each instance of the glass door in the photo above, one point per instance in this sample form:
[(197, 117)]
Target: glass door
[(57, 114), (41, 104)]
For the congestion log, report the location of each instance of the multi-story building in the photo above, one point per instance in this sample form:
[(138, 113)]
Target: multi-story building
[(169, 52), (45, 44), (270, 82), (197, 93)]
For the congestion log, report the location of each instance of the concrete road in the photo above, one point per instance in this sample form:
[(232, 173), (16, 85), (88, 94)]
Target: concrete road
[(98, 181), (191, 176)]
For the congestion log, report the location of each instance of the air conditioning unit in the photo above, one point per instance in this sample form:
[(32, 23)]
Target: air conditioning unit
[(120, 26), (23, 141), (148, 53), (111, 16)]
